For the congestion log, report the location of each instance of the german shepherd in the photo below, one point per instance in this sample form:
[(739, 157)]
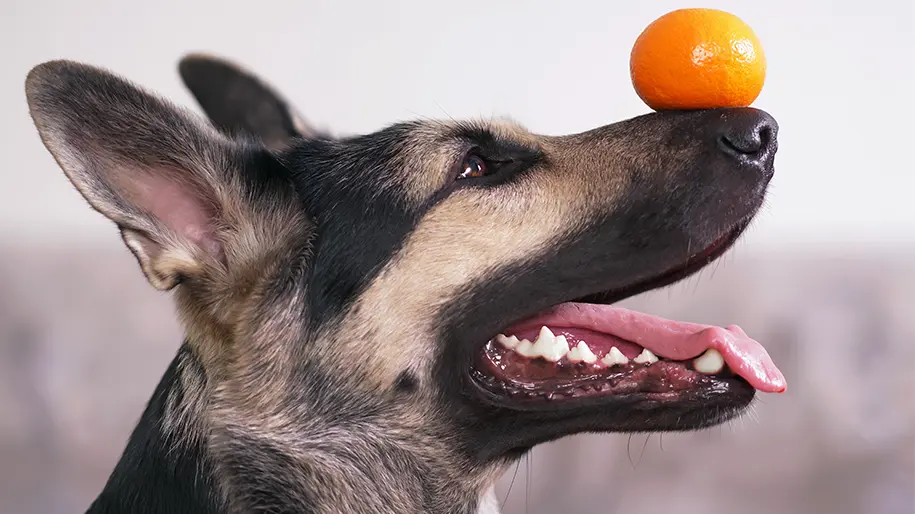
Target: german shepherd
[(383, 323)]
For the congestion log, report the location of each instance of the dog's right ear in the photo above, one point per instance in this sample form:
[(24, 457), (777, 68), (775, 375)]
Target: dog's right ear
[(174, 186), (237, 102)]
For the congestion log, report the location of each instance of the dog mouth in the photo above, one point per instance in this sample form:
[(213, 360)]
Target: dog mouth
[(587, 349)]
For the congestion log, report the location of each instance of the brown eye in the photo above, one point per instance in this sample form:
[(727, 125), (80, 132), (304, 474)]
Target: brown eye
[(472, 167)]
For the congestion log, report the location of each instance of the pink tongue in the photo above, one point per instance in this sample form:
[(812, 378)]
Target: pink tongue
[(669, 339)]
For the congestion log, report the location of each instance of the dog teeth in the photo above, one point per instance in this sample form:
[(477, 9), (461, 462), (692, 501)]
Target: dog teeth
[(553, 348), (549, 346), (508, 342), (560, 349), (525, 348), (581, 353), (646, 357), (614, 357), (709, 363)]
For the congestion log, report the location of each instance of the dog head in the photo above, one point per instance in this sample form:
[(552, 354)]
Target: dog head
[(392, 289)]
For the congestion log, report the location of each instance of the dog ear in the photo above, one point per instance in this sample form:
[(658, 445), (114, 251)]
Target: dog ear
[(169, 181), (237, 102)]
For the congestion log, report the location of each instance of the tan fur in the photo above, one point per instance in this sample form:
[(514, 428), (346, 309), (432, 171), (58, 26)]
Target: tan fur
[(387, 330), (342, 412), (453, 246)]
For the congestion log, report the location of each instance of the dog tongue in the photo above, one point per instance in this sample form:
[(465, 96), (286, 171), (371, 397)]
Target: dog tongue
[(670, 339)]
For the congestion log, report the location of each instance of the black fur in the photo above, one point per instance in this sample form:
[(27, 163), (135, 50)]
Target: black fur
[(175, 475), (425, 437), (348, 189), (239, 104), (352, 189), (615, 256)]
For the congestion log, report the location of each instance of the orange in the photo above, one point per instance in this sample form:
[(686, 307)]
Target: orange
[(697, 59)]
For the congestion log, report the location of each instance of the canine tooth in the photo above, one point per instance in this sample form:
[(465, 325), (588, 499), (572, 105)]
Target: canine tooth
[(614, 357), (544, 342), (549, 346), (646, 357), (709, 363), (508, 342), (525, 348), (581, 353), (545, 336)]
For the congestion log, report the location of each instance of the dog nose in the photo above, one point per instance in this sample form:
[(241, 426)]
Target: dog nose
[(750, 135)]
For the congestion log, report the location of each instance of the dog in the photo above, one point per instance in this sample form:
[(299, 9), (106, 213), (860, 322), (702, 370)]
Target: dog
[(383, 323)]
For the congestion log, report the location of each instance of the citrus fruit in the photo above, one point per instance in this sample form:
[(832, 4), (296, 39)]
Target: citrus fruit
[(697, 59)]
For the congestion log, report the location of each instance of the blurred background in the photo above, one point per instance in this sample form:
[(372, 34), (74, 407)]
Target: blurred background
[(825, 278)]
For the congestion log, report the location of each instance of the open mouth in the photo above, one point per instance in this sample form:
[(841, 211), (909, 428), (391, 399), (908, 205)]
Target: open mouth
[(581, 350)]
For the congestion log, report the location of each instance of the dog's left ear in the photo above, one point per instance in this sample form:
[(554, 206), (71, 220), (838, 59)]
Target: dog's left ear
[(238, 102)]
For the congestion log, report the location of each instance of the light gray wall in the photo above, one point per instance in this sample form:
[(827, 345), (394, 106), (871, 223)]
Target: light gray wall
[(83, 339), (840, 83)]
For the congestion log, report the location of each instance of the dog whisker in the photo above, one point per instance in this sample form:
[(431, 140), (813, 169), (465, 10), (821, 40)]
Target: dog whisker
[(511, 484), (529, 480)]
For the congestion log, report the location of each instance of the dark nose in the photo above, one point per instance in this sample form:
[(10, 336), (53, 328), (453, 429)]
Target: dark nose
[(750, 135)]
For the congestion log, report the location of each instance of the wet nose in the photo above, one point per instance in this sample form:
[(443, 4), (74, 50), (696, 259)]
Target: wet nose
[(749, 135)]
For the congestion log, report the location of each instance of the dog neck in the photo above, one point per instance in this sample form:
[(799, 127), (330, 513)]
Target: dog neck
[(174, 463), (158, 472)]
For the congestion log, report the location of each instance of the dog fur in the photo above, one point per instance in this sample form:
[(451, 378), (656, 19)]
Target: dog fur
[(334, 289)]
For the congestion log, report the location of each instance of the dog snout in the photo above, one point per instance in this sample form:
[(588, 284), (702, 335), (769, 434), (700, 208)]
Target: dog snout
[(749, 135)]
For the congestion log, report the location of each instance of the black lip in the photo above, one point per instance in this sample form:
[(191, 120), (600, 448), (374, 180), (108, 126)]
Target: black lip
[(732, 389), (694, 409)]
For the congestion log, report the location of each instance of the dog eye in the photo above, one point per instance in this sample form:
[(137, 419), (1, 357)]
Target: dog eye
[(473, 166)]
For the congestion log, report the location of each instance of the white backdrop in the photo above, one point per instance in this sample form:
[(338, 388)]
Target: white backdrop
[(83, 339), (840, 83)]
